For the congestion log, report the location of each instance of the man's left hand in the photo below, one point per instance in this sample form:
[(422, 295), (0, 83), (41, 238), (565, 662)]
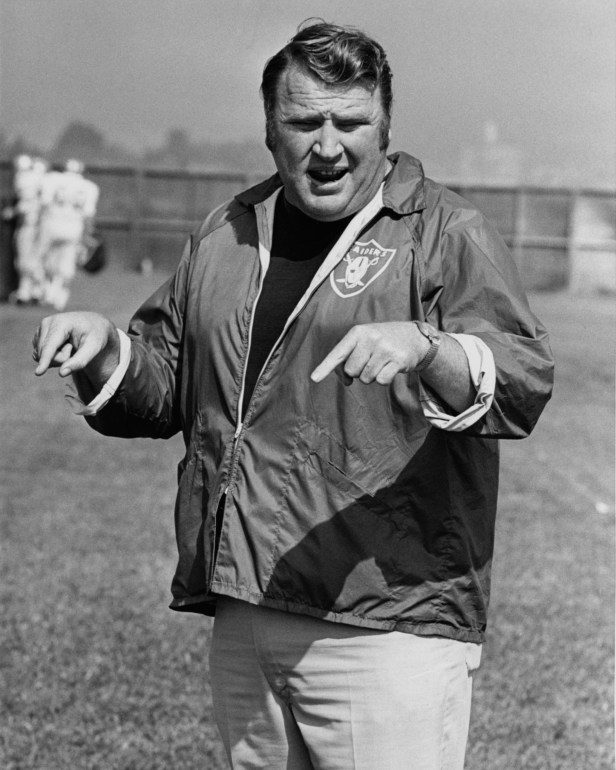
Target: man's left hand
[(375, 352)]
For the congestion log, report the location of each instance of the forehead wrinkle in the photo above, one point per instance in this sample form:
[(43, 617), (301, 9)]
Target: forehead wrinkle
[(299, 106), (300, 91), (327, 111)]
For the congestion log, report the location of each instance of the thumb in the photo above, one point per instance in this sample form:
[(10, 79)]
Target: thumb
[(80, 358), (63, 354)]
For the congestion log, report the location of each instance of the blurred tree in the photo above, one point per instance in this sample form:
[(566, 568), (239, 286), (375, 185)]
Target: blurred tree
[(10, 148), (177, 151), (80, 140), (179, 147), (87, 143)]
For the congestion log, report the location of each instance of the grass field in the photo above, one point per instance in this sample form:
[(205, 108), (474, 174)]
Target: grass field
[(97, 673)]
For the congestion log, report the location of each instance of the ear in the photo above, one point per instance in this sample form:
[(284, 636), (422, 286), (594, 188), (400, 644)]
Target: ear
[(270, 138)]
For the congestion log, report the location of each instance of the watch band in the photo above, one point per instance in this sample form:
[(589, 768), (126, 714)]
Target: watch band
[(434, 338)]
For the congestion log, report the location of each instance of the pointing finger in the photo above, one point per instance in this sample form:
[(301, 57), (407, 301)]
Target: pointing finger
[(334, 358)]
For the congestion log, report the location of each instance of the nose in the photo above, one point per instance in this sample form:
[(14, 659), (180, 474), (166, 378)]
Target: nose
[(327, 145)]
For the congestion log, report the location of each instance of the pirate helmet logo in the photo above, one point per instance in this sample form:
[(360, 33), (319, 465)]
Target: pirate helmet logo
[(363, 264)]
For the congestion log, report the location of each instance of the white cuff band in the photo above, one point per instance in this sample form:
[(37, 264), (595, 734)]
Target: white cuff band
[(483, 375), (109, 388)]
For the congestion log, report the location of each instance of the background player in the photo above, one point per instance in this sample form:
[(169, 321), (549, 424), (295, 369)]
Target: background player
[(27, 184), (68, 208)]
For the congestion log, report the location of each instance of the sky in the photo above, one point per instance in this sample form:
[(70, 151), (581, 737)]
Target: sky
[(536, 76)]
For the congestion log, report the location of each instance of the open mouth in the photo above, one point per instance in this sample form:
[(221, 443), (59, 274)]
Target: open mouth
[(324, 175)]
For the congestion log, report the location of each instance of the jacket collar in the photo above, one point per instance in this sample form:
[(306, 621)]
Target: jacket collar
[(403, 192)]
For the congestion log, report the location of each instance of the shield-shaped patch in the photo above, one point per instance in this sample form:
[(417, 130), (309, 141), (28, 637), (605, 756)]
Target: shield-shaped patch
[(362, 265)]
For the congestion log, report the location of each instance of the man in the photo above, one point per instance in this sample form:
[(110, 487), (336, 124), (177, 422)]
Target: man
[(27, 182), (68, 207), (341, 346)]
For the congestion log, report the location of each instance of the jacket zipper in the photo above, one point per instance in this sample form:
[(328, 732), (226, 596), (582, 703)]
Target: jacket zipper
[(346, 239), (265, 217)]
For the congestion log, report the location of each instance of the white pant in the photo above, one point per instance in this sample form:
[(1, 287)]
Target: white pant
[(291, 692), (59, 247), (28, 263)]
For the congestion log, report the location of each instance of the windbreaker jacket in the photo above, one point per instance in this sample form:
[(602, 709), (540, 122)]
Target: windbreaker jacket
[(340, 501)]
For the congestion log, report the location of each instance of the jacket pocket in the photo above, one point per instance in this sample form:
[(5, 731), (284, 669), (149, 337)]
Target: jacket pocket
[(346, 469), (194, 530)]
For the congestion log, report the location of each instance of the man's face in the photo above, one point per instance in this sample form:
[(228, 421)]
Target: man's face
[(327, 145)]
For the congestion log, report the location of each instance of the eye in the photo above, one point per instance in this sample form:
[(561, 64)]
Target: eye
[(350, 125), (304, 125)]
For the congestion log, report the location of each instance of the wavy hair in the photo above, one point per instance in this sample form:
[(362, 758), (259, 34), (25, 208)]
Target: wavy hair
[(341, 56)]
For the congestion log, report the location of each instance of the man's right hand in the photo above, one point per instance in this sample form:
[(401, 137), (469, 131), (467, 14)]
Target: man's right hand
[(77, 342)]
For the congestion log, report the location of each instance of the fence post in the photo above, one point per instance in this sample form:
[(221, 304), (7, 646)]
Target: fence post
[(519, 227), (136, 217), (570, 249), (8, 273)]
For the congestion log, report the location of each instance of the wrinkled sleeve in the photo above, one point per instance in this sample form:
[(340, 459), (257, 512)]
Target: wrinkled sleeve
[(473, 287), (482, 373), (108, 390), (146, 403)]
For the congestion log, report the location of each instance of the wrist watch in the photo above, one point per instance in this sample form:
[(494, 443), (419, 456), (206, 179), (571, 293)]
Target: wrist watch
[(434, 338)]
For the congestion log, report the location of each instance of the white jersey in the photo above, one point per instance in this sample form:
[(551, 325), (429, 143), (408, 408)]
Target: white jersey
[(68, 193), (28, 184), (67, 200)]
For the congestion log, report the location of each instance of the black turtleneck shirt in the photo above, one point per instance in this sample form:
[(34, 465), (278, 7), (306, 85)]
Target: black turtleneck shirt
[(299, 246)]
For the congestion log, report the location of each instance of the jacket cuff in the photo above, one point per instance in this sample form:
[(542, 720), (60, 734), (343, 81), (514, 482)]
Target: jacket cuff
[(109, 388), (483, 375)]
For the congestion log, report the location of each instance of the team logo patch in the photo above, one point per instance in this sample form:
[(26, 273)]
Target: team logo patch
[(362, 265)]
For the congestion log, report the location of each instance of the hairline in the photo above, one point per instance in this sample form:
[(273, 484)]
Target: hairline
[(367, 83), (358, 60)]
